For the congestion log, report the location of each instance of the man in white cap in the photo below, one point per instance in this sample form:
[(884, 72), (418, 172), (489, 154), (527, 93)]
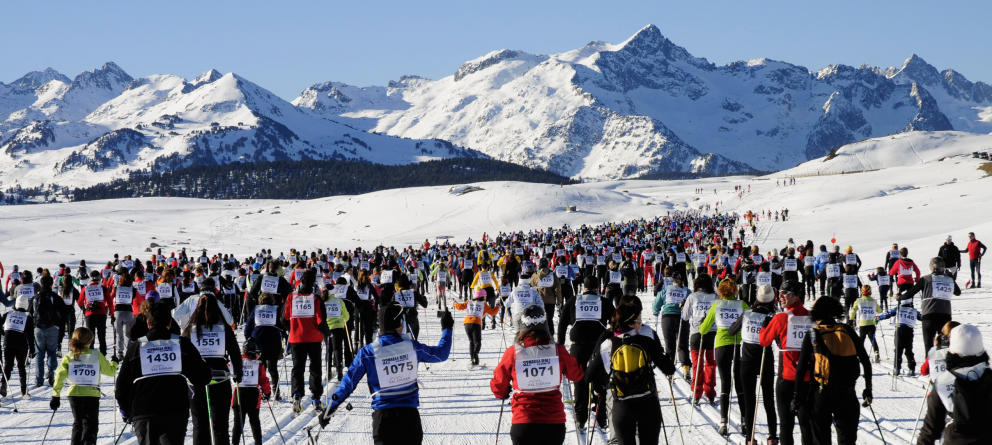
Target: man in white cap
[(964, 393)]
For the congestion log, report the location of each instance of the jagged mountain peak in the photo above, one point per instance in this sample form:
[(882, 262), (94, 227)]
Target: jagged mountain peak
[(915, 69), (108, 77), (488, 60), (35, 79), (650, 42), (208, 76)]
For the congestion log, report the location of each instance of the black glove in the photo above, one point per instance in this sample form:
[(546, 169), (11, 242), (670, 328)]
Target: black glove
[(115, 359), (734, 328), (266, 396), (325, 417), (447, 322), (55, 403), (126, 418), (113, 319), (795, 405), (866, 395), (237, 377)]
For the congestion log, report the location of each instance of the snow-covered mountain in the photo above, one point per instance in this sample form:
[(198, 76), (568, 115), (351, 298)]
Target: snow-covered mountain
[(104, 123), (647, 104)]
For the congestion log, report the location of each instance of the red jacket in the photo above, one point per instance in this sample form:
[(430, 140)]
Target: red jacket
[(99, 308), (263, 384), (545, 407), (975, 249), (305, 329), (778, 329), (909, 266)]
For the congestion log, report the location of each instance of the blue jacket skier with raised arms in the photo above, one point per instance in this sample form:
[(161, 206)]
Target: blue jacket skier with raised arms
[(391, 362)]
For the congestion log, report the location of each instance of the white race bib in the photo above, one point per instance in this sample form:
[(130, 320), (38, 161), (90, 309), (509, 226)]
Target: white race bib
[(270, 284), (751, 327), (161, 357), (727, 313), (363, 294), (675, 295), (808, 261), (546, 281), (791, 265), (943, 287), (764, 279), (25, 290), (485, 278), (906, 316), (614, 276), (85, 371), (883, 280), (798, 327), (124, 295), (850, 281), (475, 308), (333, 308), (210, 342), (164, 290), (588, 307), (938, 362), (561, 271), (249, 373), (139, 287), (94, 294), (16, 320), (537, 368), (395, 365), (866, 311), (833, 270), (851, 259), (467, 264), (386, 277), (266, 315), (303, 306), (405, 298)]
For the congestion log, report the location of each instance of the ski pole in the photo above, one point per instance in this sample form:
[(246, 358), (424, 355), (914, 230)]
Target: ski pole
[(122, 432), (754, 419), (499, 422), (671, 390), (239, 410), (876, 422), (275, 421), (45, 437), (210, 413), (6, 384), (589, 413), (912, 439), (664, 429)]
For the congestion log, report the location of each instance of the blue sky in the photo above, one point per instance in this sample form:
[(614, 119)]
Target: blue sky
[(286, 46)]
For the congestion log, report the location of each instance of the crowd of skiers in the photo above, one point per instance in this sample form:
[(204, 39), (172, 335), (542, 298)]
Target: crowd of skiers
[(203, 337)]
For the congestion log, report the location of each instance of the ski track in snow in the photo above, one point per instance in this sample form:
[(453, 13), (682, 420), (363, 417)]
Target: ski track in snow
[(457, 406)]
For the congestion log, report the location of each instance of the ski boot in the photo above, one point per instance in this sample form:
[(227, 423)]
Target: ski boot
[(317, 406), (277, 396), (695, 402), (297, 406), (723, 428), (876, 359), (685, 373)]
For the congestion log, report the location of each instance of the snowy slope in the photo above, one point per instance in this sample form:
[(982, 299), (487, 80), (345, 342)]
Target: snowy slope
[(916, 204), (647, 104), (104, 124)]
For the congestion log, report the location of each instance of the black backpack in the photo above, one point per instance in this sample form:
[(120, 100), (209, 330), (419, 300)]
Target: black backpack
[(972, 400), (630, 370)]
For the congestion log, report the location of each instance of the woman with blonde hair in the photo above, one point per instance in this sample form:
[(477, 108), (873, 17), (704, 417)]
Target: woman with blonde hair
[(82, 367), (724, 313)]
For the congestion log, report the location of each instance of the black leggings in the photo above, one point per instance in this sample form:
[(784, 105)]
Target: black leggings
[(931, 326), (837, 408), (85, 424), (474, 333), (537, 433), (302, 352), (338, 345), (728, 357), (98, 324), (904, 346), (637, 420), (671, 326), (220, 412), (784, 391), (399, 426), (247, 406), (868, 331), (749, 382), (14, 351)]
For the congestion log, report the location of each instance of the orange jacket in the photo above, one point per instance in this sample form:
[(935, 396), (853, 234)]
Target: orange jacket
[(486, 310)]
